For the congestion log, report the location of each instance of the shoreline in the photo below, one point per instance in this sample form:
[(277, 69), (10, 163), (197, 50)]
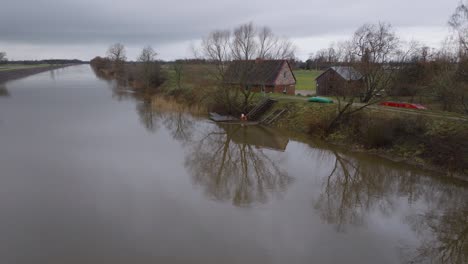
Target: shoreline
[(300, 119), (14, 74)]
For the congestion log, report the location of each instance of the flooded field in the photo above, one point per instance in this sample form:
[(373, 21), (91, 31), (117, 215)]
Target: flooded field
[(90, 174)]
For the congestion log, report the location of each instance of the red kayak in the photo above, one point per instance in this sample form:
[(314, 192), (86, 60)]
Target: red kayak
[(403, 105)]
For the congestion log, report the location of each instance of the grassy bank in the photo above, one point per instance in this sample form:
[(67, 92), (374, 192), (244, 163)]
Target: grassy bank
[(306, 79), (11, 67), (17, 73), (423, 139), (417, 139)]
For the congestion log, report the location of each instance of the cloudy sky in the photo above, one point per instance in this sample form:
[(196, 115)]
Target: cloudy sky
[(83, 29)]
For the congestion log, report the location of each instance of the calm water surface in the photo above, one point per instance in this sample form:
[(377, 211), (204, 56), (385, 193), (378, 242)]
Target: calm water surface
[(89, 174)]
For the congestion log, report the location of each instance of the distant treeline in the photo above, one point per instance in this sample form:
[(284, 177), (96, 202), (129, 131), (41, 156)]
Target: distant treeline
[(49, 61)]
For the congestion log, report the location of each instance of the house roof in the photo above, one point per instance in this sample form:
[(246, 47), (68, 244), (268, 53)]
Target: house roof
[(346, 72), (254, 72)]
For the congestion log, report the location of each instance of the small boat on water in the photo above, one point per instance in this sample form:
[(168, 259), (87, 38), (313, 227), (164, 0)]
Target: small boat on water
[(322, 100)]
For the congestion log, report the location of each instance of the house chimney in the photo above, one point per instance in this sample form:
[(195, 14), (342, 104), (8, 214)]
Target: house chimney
[(257, 60)]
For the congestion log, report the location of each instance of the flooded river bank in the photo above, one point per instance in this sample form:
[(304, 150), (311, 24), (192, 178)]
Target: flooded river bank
[(90, 174)]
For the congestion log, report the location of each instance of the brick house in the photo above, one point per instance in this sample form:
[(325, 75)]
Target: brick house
[(339, 80), (270, 76)]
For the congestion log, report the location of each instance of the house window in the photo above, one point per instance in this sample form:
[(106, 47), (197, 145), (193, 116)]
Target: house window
[(284, 74)]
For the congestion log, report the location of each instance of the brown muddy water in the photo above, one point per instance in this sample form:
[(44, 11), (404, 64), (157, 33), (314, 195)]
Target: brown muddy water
[(89, 174)]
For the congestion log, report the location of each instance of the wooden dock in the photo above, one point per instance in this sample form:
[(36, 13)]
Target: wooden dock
[(231, 120)]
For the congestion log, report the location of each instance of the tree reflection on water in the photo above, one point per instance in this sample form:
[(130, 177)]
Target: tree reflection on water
[(231, 169), (3, 90), (355, 188), (229, 161), (444, 233), (239, 164)]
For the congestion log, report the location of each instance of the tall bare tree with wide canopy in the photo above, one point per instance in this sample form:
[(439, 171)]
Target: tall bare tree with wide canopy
[(117, 55), (459, 23), (377, 54), (3, 56), (147, 59), (377, 50), (245, 42)]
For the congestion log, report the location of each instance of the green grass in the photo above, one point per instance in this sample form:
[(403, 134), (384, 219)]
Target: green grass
[(9, 67), (306, 79)]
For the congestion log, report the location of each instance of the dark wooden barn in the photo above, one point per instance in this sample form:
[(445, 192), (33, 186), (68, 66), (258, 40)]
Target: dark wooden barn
[(339, 80), (270, 76)]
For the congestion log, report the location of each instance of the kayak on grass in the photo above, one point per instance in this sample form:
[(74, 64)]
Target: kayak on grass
[(322, 100)]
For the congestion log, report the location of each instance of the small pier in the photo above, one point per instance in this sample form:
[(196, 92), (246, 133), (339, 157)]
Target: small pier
[(253, 116)]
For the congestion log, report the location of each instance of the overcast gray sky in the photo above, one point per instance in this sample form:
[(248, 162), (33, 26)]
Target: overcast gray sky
[(83, 29)]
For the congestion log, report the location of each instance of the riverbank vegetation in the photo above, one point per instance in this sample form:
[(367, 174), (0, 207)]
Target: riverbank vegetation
[(391, 70), (408, 137), (17, 72)]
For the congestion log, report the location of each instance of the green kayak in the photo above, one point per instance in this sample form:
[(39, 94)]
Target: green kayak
[(322, 100)]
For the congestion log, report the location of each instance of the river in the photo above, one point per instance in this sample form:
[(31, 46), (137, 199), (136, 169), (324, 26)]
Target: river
[(90, 174)]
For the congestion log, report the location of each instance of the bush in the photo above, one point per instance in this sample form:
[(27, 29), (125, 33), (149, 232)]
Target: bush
[(447, 145), (100, 63), (377, 133), (319, 118)]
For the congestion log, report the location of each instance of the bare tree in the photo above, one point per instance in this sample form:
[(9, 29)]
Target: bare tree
[(147, 55), (178, 70), (346, 106), (444, 85), (244, 46), (117, 54), (247, 42), (374, 57), (147, 59), (216, 49), (377, 47), (272, 47), (285, 50), (3, 57), (267, 42), (459, 23)]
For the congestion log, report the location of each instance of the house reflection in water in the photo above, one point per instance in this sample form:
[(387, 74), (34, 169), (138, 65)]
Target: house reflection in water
[(232, 163), (258, 136)]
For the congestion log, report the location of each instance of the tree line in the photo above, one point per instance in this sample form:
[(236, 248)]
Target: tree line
[(392, 67), (4, 60), (245, 42), (145, 73)]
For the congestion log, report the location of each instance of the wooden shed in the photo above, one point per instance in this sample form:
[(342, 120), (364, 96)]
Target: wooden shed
[(339, 80)]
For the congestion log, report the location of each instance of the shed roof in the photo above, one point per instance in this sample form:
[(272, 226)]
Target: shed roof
[(346, 72), (254, 72)]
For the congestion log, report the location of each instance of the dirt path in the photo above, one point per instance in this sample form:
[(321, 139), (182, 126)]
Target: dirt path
[(418, 112), (428, 113)]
